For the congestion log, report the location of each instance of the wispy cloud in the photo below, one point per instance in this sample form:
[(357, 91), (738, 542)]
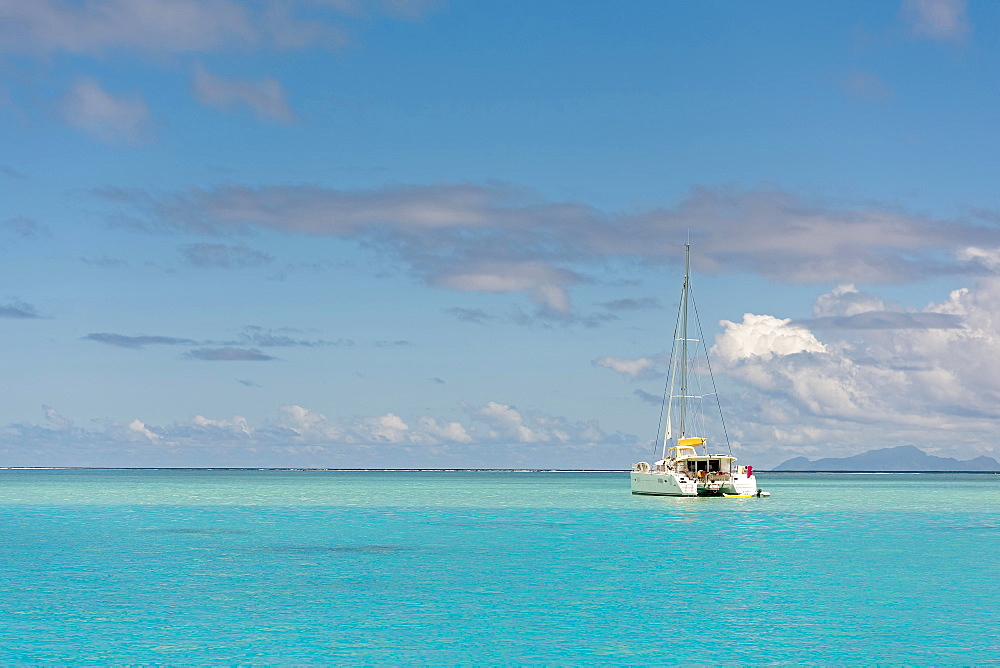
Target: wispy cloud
[(638, 368), (229, 354), (156, 26), (884, 320), (866, 86), (18, 310), (137, 342), (111, 118), (243, 348), (223, 256), (44, 27), (474, 315), (26, 228), (939, 20), (645, 303), (254, 335), (104, 261), (504, 239), (265, 97)]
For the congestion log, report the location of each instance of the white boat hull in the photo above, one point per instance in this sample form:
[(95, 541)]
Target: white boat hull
[(667, 483)]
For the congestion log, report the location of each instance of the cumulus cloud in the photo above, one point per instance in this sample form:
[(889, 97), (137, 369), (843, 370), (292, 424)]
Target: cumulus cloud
[(493, 435), (111, 118), (237, 424), (493, 423), (444, 431), (507, 422), (939, 20), (308, 424), (134, 432), (764, 336), (846, 300), (265, 97), (934, 383), (846, 307), (388, 428), (988, 258)]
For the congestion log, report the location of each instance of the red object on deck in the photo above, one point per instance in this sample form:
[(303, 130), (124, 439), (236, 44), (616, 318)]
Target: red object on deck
[(749, 471)]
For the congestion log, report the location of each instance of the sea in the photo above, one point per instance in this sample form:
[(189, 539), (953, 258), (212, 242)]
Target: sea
[(484, 567)]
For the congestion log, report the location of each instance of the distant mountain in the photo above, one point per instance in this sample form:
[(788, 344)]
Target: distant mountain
[(901, 458)]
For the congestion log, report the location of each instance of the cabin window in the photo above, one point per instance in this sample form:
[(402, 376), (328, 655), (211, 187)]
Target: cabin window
[(713, 465)]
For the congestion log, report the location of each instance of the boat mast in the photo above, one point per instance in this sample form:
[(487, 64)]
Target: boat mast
[(684, 337)]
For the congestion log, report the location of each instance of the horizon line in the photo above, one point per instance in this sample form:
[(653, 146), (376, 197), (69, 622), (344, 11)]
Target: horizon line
[(434, 470)]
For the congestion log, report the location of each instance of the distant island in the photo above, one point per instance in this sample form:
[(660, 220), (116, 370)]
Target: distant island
[(894, 460)]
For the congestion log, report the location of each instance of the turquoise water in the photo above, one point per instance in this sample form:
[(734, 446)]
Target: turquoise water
[(349, 567)]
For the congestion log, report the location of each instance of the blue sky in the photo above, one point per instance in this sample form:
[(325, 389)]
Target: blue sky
[(448, 234)]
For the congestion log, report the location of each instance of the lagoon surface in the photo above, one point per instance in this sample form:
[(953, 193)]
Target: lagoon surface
[(207, 566)]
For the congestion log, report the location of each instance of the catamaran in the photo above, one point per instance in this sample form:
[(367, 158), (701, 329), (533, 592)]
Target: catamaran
[(686, 466)]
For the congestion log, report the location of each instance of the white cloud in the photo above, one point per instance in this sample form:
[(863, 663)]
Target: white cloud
[(43, 27), (388, 428), (633, 368), (237, 424), (500, 238), (935, 387), (223, 256), (764, 336), (111, 118), (53, 416), (867, 86), (544, 283), (444, 431), (136, 431), (309, 425), (496, 435), (507, 423), (265, 97), (988, 258), (939, 20), (846, 300)]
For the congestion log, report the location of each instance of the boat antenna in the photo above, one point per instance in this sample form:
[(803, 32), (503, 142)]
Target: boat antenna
[(711, 375)]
